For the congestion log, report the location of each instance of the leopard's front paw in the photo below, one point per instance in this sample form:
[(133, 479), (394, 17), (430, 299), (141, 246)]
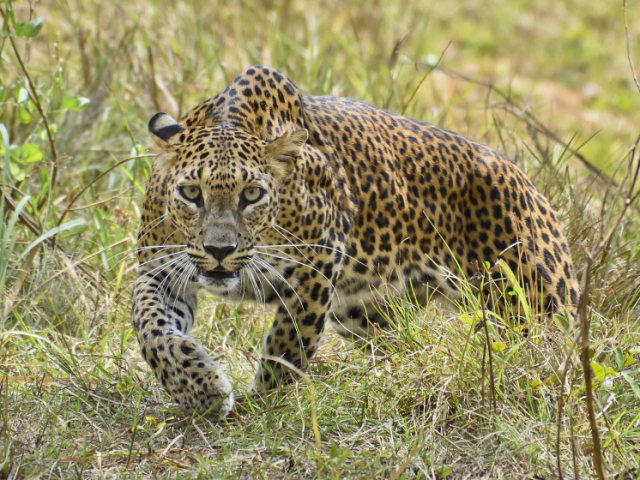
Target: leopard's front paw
[(205, 390)]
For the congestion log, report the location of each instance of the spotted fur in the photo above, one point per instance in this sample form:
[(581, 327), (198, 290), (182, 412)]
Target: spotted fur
[(310, 204)]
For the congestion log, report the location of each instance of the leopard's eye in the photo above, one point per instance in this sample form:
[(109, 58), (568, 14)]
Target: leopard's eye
[(190, 192), (252, 194)]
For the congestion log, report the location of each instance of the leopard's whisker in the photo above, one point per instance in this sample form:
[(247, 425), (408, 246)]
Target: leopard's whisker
[(163, 265), (131, 252), (182, 281), (188, 278), (153, 224), (166, 296), (275, 290), (168, 277), (309, 245), (161, 247), (278, 227), (255, 278), (302, 264), (292, 244), (289, 258), (257, 293), (241, 287), (282, 303), (160, 258), (162, 269), (278, 275)]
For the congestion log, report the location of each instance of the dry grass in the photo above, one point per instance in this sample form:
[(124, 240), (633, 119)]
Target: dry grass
[(545, 82)]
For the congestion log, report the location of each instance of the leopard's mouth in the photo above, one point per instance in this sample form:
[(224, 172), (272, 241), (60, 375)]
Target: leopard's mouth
[(219, 274)]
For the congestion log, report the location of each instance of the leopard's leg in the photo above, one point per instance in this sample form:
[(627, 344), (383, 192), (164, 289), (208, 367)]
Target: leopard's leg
[(300, 317), (358, 321), (163, 313), (363, 312)]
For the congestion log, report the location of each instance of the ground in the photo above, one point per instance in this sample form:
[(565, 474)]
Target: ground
[(534, 80)]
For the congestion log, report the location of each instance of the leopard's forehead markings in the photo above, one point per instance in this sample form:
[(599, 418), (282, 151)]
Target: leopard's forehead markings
[(220, 155)]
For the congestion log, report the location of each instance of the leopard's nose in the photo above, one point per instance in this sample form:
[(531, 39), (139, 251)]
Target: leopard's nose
[(219, 253)]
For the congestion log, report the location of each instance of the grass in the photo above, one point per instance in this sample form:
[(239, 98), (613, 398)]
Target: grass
[(437, 396)]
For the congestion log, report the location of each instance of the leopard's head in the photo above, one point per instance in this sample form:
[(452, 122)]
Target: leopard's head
[(221, 186)]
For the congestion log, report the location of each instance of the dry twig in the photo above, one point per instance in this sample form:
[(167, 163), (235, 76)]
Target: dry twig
[(603, 244), (626, 31)]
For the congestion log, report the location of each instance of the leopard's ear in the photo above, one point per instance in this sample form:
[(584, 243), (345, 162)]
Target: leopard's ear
[(165, 131), (283, 151)]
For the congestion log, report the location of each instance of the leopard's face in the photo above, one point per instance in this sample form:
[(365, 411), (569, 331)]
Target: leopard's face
[(221, 202), (222, 193)]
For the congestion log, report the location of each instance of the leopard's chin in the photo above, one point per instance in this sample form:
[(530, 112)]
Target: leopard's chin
[(219, 282)]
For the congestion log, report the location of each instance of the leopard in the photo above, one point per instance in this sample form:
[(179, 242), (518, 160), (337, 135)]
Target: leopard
[(314, 205)]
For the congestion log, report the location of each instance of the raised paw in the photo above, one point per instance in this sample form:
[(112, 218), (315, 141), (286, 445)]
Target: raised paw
[(204, 390), (197, 383)]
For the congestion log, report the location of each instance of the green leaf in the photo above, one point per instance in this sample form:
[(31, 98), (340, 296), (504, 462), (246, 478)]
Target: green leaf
[(335, 451), (617, 355), (6, 149), (137, 150), (23, 115), (50, 233), (442, 472), (20, 93), (628, 359), (43, 131), (536, 384), (30, 153), (517, 288), (15, 216), (497, 347), (632, 383), (28, 30), (598, 371), (14, 152), (562, 322), (74, 102), (470, 320), (8, 236), (17, 172)]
